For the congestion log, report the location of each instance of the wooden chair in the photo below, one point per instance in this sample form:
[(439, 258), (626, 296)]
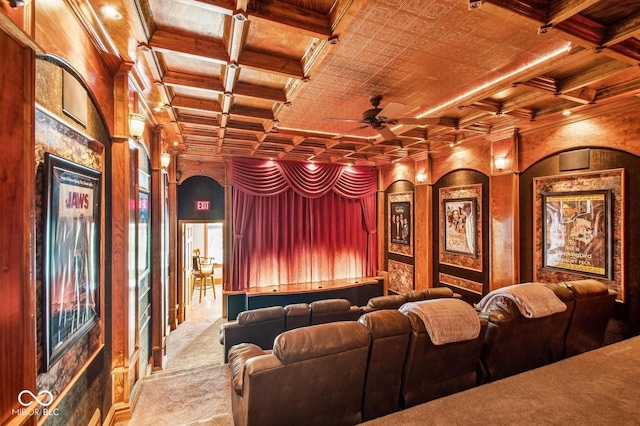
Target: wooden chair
[(203, 272)]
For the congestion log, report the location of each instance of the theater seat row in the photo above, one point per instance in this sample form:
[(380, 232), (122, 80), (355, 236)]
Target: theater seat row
[(261, 326), (346, 372)]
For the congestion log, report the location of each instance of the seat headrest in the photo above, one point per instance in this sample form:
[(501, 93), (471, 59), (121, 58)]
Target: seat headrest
[(330, 305), (386, 323), (261, 314), (320, 340), (437, 292), (413, 295), (393, 301), (587, 288), (297, 310)]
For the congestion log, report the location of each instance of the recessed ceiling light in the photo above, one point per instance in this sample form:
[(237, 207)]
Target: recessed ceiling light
[(566, 112), (110, 12)]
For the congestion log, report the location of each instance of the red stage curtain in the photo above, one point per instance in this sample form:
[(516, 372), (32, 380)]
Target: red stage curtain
[(298, 222)]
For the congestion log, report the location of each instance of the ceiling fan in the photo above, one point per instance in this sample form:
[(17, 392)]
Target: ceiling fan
[(380, 119)]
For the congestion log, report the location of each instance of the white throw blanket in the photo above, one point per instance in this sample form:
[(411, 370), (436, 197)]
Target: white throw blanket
[(446, 320), (534, 300)]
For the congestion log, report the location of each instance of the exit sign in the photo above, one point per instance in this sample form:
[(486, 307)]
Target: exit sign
[(203, 205)]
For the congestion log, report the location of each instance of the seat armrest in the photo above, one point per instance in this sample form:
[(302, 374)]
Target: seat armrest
[(223, 328), (238, 357)]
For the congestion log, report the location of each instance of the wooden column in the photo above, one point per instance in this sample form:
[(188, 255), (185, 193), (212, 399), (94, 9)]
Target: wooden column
[(122, 367), (18, 366), (159, 314), (227, 242), (172, 223), (503, 216)]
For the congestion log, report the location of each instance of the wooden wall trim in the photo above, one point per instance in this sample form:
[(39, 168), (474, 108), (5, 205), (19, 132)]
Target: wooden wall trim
[(17, 194)]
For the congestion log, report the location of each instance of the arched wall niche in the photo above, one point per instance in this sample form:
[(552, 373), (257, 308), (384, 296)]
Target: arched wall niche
[(216, 170)]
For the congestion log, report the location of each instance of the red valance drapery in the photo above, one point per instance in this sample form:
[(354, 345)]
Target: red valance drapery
[(311, 180), (262, 254)]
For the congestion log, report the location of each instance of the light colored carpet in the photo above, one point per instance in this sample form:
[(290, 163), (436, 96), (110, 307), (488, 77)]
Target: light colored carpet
[(199, 396), (194, 387), (601, 387)]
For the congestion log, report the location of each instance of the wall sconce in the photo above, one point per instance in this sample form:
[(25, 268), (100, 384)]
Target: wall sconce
[(500, 161), (420, 177), (165, 160), (136, 125)]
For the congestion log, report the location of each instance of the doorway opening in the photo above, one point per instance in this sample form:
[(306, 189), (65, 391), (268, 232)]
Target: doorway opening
[(207, 237)]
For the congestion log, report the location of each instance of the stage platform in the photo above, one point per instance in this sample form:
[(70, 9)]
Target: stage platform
[(357, 290)]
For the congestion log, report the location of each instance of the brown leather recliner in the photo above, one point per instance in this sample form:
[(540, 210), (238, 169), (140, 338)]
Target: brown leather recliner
[(315, 376), (259, 326), (555, 350), (516, 342), (297, 315), (389, 342), (394, 301), (330, 310), (435, 370), (593, 306)]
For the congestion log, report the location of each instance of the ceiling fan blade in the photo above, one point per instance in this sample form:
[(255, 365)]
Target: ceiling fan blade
[(417, 121), (393, 109), (349, 131), (386, 133)]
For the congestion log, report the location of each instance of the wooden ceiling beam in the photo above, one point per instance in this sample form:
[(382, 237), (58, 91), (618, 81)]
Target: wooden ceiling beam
[(624, 90), (271, 63), (592, 75), (177, 79), (251, 112), (208, 49), (306, 21), (561, 10), (195, 104), (259, 92), (625, 29), (197, 121), (583, 95)]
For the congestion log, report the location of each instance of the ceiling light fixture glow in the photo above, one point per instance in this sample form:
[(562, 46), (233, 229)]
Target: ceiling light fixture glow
[(110, 12)]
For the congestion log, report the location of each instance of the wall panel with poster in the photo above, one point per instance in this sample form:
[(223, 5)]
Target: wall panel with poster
[(460, 220), (578, 228), (71, 254)]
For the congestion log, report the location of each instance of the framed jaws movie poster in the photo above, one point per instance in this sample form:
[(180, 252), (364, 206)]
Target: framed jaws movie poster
[(71, 272)]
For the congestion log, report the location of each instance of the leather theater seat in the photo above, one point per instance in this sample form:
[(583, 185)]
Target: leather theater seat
[(390, 332), (258, 326), (441, 359), (521, 319), (314, 376)]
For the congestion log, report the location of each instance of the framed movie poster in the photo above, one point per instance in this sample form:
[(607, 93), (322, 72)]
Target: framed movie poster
[(578, 228), (71, 273), (400, 216), (576, 232), (460, 226)]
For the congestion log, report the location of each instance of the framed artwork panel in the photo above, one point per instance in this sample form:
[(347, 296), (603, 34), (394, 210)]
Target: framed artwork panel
[(576, 232), (400, 227), (71, 277), (460, 226)]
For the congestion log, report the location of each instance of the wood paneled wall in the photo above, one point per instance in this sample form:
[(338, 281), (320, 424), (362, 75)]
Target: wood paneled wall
[(17, 186)]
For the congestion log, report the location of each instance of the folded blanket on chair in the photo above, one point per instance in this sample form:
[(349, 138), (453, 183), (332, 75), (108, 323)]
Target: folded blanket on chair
[(446, 320), (533, 300)]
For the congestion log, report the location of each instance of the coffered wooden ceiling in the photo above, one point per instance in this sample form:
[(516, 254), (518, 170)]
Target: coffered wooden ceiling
[(276, 78)]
